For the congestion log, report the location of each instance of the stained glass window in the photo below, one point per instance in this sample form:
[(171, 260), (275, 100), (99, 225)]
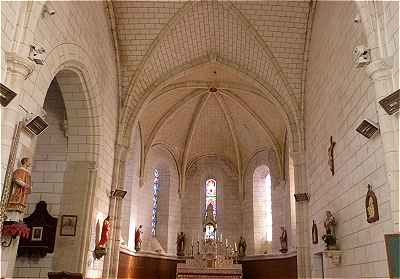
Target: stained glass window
[(211, 198), (156, 191)]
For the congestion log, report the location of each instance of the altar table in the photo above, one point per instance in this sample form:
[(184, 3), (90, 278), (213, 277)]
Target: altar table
[(186, 271)]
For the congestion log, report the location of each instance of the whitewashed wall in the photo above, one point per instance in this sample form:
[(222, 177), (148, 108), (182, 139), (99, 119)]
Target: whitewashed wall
[(338, 97)]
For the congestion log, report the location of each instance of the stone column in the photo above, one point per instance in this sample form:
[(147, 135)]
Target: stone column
[(302, 226), (110, 268), (18, 68), (381, 73)]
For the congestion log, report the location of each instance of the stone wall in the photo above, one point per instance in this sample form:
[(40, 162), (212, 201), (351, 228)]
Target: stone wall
[(338, 97), (76, 38)]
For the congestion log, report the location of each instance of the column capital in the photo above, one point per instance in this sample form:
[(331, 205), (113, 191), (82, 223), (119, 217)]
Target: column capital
[(380, 69), (19, 65)]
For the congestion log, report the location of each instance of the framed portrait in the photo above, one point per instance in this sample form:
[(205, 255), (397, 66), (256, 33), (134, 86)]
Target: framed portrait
[(371, 206), (68, 225), (37, 233)]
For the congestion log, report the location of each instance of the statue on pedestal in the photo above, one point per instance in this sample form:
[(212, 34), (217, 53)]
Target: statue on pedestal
[(180, 244), (242, 247), (138, 238), (100, 249), (283, 239), (21, 186), (330, 236)]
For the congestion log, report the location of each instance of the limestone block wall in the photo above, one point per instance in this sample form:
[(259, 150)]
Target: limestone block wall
[(76, 37), (49, 164), (229, 215), (138, 207), (254, 206), (338, 97)]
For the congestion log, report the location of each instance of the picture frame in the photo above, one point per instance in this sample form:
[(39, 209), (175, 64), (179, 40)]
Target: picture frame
[(68, 225), (37, 234), (371, 206)]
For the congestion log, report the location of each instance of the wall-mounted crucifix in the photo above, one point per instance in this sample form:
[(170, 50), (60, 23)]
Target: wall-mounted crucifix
[(330, 154)]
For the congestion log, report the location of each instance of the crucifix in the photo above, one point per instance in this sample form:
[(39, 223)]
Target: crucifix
[(330, 154)]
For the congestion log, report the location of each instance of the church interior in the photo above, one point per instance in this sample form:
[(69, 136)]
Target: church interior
[(200, 139)]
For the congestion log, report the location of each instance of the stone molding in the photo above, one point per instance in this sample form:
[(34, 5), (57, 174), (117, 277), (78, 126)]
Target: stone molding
[(18, 65), (380, 69)]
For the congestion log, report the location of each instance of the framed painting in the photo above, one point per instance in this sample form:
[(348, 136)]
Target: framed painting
[(68, 225), (37, 233)]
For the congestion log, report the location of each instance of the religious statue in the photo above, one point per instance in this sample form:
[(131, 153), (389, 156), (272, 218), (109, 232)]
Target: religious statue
[(242, 247), (180, 244), (21, 186), (100, 249), (314, 233), (105, 232), (138, 238), (283, 239), (371, 206), (330, 236)]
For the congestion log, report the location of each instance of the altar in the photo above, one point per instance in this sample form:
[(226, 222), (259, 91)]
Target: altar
[(212, 260), (211, 257)]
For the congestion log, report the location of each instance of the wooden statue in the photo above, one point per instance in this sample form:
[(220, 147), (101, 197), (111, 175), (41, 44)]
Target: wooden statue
[(21, 186)]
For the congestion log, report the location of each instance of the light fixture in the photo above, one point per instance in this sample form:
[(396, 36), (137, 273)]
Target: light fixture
[(35, 54), (118, 193), (391, 103), (299, 197), (367, 129), (36, 125), (6, 95)]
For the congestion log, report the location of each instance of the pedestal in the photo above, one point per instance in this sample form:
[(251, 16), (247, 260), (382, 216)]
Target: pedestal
[(333, 257)]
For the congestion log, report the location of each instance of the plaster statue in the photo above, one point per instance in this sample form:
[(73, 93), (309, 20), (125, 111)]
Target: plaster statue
[(21, 186), (330, 223), (330, 236), (180, 244), (138, 238), (105, 232), (283, 239), (242, 247)]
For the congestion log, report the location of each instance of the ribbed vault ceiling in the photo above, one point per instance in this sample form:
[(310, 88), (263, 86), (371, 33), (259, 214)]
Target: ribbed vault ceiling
[(211, 110)]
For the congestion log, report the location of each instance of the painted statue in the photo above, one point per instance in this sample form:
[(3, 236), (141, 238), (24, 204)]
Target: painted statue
[(105, 232), (180, 244), (283, 239), (138, 238), (242, 247), (21, 186), (330, 236)]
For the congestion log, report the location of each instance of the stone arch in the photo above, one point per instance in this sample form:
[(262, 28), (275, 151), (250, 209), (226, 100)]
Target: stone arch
[(157, 67)]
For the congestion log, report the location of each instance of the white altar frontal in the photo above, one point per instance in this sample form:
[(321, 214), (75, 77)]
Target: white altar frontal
[(212, 260)]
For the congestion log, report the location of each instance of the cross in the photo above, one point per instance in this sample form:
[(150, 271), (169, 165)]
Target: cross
[(330, 153)]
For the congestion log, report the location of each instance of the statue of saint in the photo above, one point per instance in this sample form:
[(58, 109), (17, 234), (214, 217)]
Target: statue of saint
[(242, 247), (330, 236), (105, 232), (283, 239), (21, 186), (330, 223), (138, 238), (180, 244), (371, 208)]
